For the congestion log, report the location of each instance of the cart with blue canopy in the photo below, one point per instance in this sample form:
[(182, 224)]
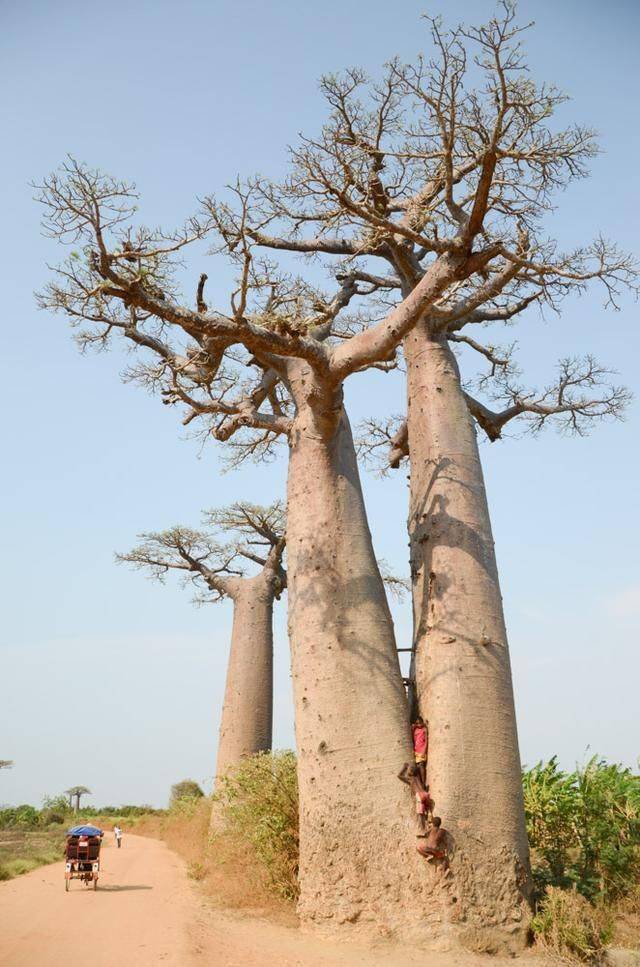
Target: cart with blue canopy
[(82, 855)]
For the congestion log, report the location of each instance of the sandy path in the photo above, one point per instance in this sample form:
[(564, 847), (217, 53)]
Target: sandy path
[(147, 913), (138, 916)]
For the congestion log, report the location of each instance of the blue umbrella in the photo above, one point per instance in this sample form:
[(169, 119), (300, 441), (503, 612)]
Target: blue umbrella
[(84, 831)]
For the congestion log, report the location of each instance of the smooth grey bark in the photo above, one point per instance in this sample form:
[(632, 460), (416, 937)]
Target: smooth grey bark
[(246, 722), (358, 860), (461, 666), (247, 711)]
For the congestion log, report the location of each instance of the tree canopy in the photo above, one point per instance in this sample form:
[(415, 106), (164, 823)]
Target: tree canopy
[(185, 789)]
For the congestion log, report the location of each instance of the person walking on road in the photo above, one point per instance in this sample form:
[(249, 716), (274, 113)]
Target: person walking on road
[(117, 832)]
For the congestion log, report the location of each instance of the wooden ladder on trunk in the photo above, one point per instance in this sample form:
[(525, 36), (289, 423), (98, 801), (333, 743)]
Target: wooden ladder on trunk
[(407, 682)]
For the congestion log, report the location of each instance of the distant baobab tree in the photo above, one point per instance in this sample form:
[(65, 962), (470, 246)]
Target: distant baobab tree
[(77, 791), (251, 534)]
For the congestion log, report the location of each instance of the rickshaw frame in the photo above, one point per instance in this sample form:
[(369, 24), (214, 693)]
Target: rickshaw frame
[(82, 858)]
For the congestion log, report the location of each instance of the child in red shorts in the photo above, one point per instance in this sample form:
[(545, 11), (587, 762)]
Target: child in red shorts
[(424, 802), (435, 848)]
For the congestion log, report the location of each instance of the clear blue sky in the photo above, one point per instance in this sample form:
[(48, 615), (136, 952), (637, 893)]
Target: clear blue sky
[(181, 97)]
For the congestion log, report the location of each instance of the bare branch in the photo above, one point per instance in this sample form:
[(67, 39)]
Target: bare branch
[(397, 586), (383, 445), (498, 359), (190, 551), (201, 305), (445, 173), (581, 395), (207, 562)]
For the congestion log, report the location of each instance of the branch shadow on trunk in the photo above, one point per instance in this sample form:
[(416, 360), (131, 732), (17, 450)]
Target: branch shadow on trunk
[(354, 593), (442, 525)]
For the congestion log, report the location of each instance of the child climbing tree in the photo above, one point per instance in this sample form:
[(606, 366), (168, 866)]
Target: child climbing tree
[(430, 194), (251, 535)]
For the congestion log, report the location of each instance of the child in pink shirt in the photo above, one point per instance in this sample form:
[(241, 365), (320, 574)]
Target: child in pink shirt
[(420, 746)]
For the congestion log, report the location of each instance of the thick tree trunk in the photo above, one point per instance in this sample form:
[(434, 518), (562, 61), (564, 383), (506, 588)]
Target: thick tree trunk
[(358, 860), (247, 712), (462, 668)]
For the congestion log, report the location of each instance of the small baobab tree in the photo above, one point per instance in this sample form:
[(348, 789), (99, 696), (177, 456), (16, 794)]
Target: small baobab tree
[(252, 535), (75, 792)]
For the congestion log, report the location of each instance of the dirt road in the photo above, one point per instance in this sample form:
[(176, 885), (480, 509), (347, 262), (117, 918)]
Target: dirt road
[(147, 913), (137, 916)]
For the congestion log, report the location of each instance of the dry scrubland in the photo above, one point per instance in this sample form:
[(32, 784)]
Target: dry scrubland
[(247, 859), (226, 870)]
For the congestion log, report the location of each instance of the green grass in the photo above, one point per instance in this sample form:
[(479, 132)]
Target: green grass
[(25, 850)]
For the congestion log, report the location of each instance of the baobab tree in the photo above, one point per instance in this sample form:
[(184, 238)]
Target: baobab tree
[(75, 792), (445, 185), (252, 535), (408, 171), (341, 631)]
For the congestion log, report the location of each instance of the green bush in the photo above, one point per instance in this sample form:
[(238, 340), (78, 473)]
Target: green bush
[(118, 811), (187, 789), (55, 809), (7, 817), (567, 925), (49, 817), (59, 803), (259, 802), (26, 816), (584, 828)]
